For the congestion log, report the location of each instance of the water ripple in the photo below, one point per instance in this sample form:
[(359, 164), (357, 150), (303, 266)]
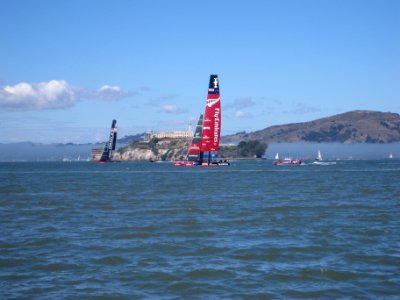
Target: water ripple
[(252, 230)]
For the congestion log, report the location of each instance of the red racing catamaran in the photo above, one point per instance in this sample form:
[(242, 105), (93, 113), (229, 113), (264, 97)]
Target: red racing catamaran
[(204, 147)]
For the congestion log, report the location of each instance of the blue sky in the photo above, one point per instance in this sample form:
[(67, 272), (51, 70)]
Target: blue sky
[(67, 68)]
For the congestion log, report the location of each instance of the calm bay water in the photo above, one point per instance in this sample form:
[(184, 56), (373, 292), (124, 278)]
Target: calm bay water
[(251, 230)]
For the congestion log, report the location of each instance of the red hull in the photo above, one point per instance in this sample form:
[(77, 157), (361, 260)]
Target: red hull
[(184, 163), (287, 162), (105, 161)]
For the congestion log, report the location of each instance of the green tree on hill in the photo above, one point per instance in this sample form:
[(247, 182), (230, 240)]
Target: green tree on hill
[(252, 148)]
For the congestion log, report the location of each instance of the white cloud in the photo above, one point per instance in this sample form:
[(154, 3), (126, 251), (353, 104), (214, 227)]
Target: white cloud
[(301, 109), (163, 98), (54, 94), (108, 93), (241, 103), (110, 88), (169, 108), (172, 109), (43, 95), (167, 97), (242, 114)]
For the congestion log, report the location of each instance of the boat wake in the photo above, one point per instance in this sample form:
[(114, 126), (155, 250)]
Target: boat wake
[(324, 163)]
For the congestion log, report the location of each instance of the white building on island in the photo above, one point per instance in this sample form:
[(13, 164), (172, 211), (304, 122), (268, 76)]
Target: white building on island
[(171, 134)]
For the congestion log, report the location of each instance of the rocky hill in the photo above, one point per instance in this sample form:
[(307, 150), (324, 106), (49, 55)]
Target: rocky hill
[(176, 149), (352, 127), (163, 149)]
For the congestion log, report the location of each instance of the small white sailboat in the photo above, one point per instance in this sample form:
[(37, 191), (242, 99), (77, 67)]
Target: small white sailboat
[(277, 156), (319, 160), (391, 155), (319, 156)]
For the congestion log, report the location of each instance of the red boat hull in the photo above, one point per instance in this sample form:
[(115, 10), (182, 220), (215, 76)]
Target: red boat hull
[(184, 163), (287, 162)]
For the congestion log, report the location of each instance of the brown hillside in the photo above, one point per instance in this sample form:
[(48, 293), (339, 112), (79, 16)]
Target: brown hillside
[(351, 127)]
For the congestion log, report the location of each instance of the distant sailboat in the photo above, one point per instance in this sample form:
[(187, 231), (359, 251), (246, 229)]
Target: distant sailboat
[(194, 151), (391, 155), (277, 156), (319, 156), (106, 153), (319, 160)]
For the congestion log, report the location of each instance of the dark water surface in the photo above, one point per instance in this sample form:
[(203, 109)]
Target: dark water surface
[(251, 230)]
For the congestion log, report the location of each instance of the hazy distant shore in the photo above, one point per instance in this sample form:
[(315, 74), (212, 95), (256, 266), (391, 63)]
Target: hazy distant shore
[(334, 150)]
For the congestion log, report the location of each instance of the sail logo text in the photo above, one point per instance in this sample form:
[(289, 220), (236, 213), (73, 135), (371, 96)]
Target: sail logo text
[(216, 125)]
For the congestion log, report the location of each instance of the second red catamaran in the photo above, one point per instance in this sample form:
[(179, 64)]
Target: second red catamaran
[(203, 149)]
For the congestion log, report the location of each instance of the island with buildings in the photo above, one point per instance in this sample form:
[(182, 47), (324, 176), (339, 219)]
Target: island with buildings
[(173, 145)]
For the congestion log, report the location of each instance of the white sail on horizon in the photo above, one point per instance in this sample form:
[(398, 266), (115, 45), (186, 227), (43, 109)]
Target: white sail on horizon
[(319, 156)]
